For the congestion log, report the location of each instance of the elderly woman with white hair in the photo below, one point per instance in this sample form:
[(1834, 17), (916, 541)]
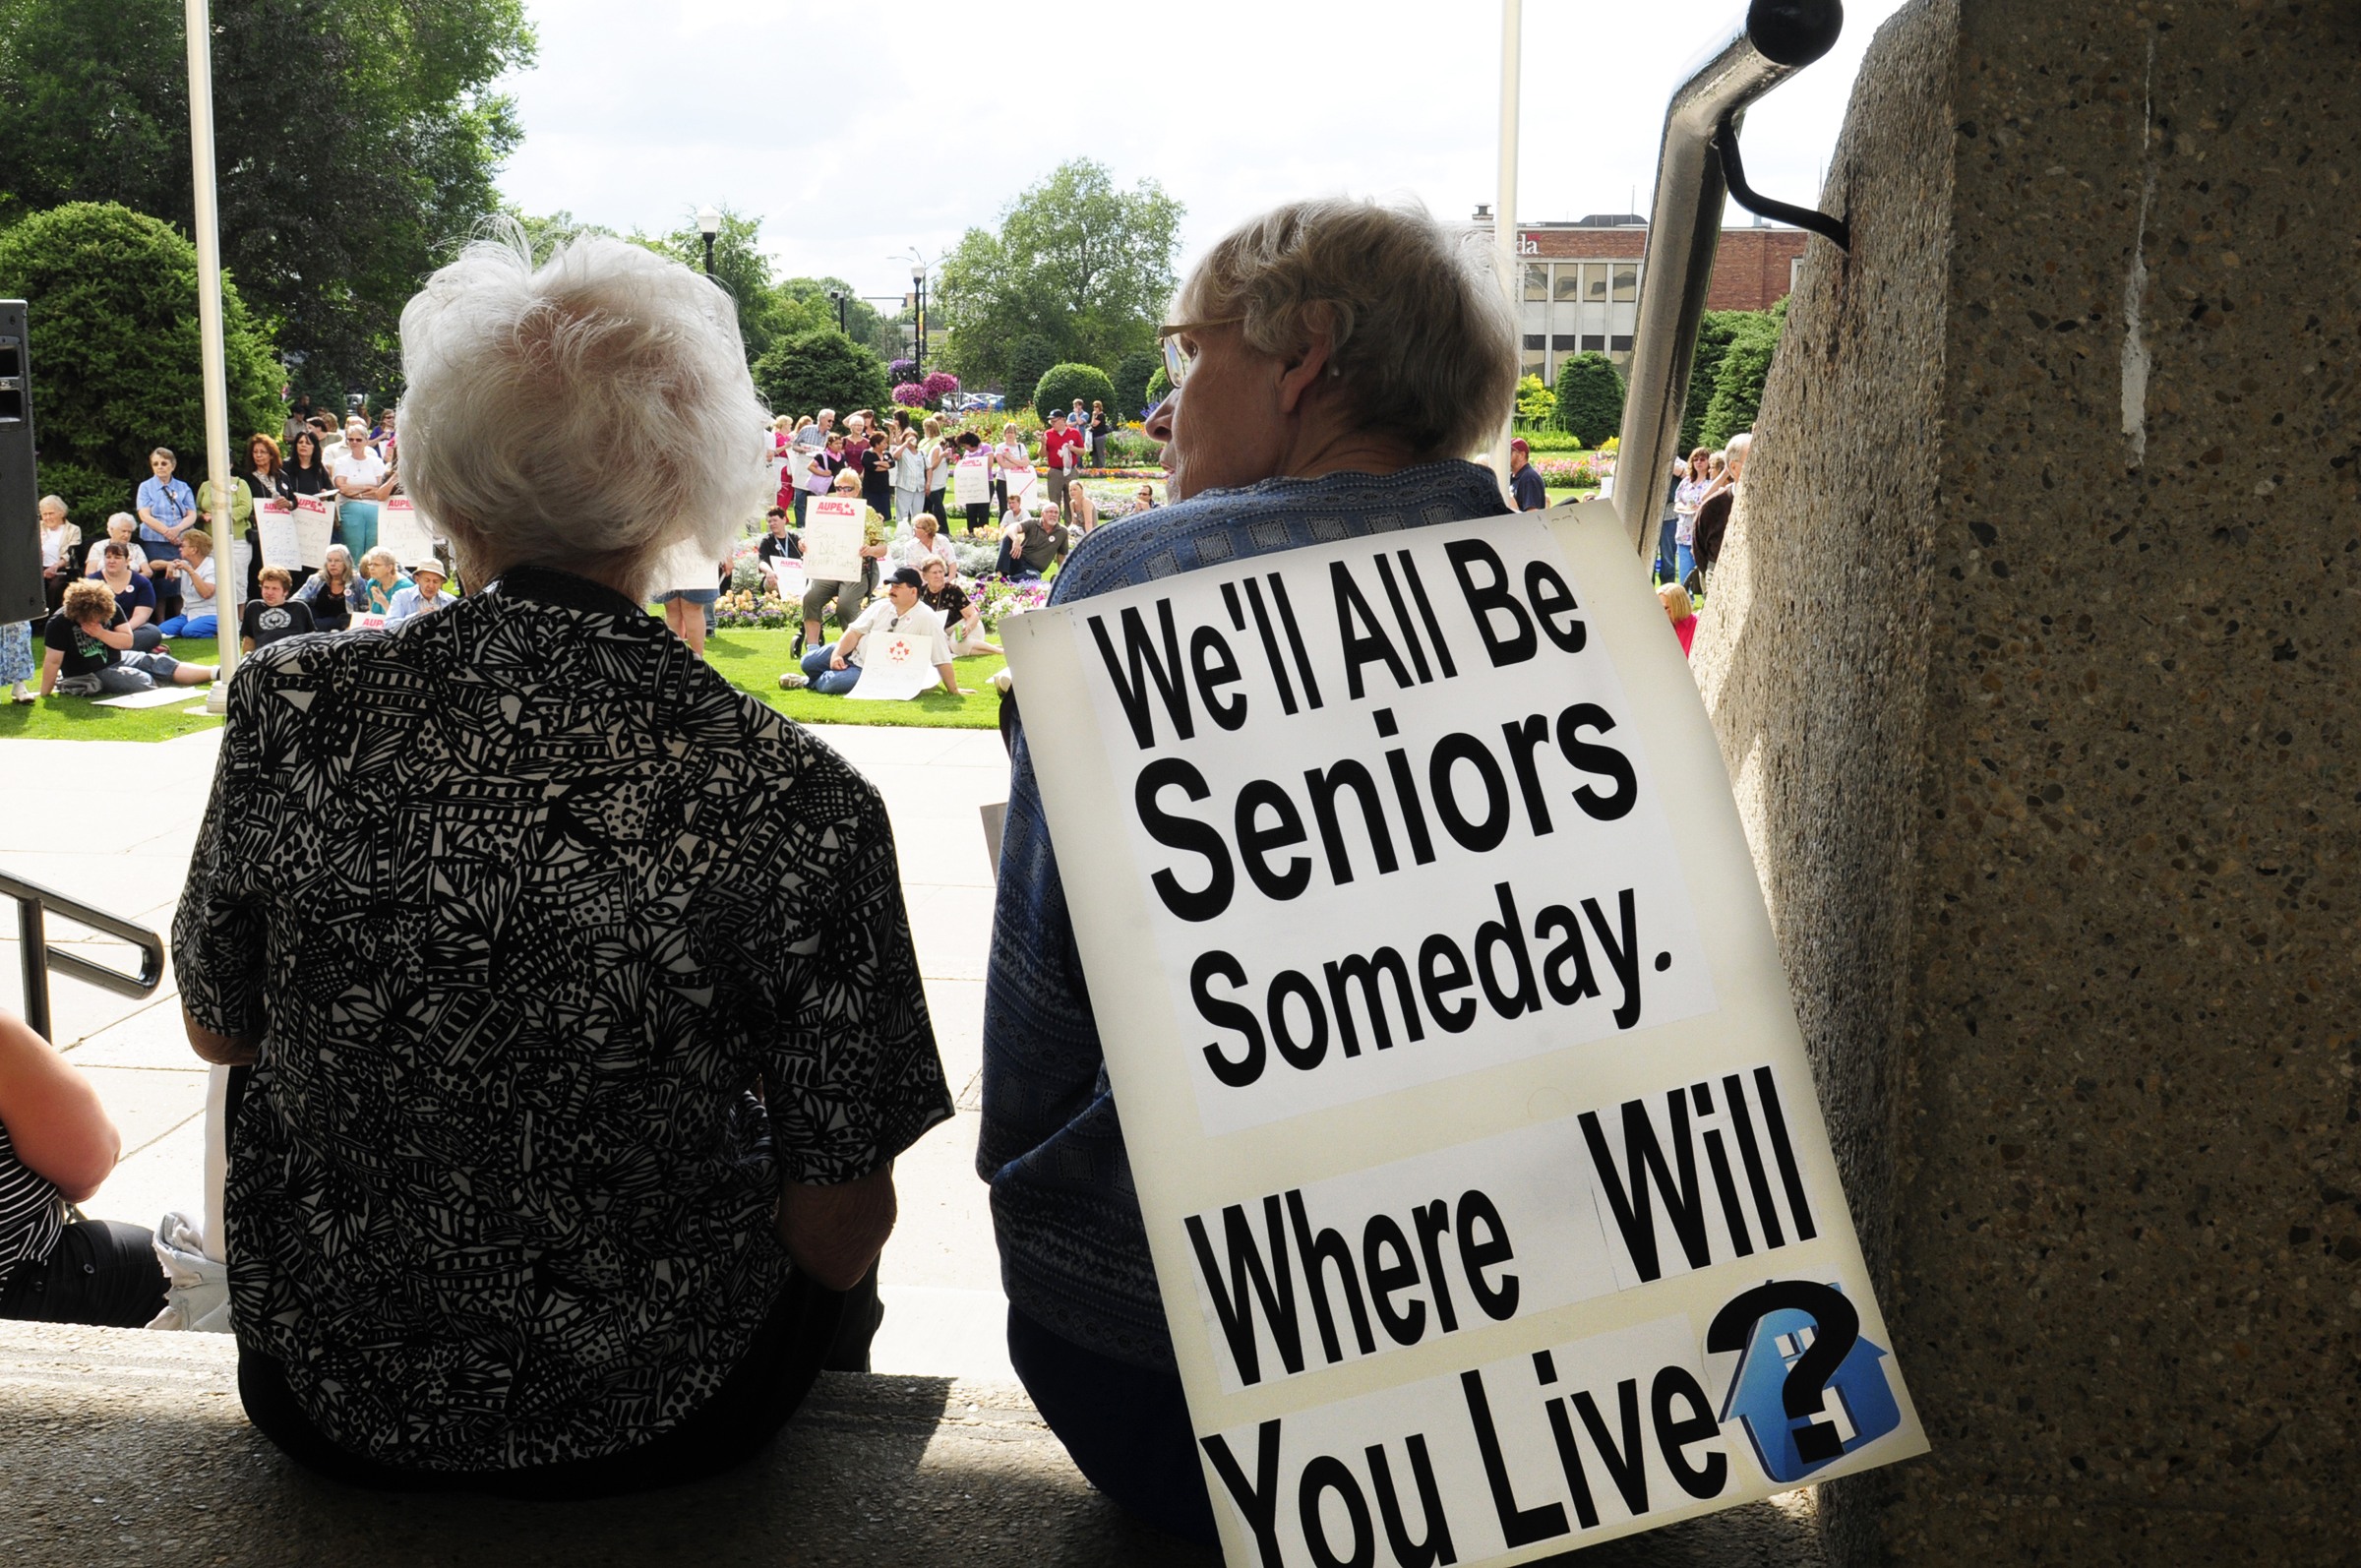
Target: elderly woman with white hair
[(1332, 363), (566, 1154)]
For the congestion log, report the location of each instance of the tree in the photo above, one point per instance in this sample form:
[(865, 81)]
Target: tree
[(862, 322), (821, 368), (1534, 401), (111, 298), (765, 312), (1075, 262), (1061, 385), (1590, 398), (356, 142), (1714, 330), (1738, 378), (1028, 362), (1160, 386), (1131, 376)]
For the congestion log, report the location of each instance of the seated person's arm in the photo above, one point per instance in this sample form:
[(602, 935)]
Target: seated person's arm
[(118, 637), (219, 1050), (52, 660), (834, 1233), (60, 1130), (844, 645), (950, 677)]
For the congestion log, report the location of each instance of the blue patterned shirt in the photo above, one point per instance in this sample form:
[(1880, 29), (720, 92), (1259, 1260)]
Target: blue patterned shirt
[(1073, 1251)]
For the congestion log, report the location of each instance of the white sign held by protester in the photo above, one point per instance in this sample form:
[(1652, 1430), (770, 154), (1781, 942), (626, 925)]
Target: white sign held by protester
[(274, 532), (1021, 483), (832, 534), (1481, 1161), (403, 529), (688, 567), (895, 666), (971, 481)]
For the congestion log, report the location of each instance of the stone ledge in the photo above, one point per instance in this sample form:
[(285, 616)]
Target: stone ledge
[(123, 1447)]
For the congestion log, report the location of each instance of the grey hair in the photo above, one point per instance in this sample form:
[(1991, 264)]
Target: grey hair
[(1419, 333), (590, 412), (1735, 455)]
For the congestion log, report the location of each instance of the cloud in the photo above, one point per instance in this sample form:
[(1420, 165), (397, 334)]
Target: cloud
[(855, 140)]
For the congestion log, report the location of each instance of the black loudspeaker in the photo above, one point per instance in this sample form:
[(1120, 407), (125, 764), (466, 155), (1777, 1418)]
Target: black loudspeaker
[(20, 596)]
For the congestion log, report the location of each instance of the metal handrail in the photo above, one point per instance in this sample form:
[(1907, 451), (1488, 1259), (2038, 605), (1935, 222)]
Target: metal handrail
[(33, 904), (1771, 41)]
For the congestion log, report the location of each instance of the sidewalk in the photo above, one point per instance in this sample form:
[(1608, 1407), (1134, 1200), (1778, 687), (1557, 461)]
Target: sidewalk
[(113, 823)]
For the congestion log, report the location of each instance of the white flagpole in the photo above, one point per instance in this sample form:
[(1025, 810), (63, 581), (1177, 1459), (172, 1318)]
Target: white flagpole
[(227, 584), (1504, 209)]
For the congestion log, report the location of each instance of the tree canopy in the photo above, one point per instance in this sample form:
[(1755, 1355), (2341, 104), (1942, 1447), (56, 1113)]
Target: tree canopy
[(355, 140), (1739, 378), (1076, 263), (822, 368), (113, 312), (1590, 398)]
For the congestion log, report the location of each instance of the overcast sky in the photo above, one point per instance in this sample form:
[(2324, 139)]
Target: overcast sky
[(805, 116)]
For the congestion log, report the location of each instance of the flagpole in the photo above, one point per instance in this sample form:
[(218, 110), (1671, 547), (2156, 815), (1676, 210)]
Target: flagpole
[(212, 362), (1504, 209)]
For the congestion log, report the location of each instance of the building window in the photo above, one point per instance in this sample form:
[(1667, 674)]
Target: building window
[(1627, 283), (1594, 343), (1593, 280), (1537, 281), (1536, 364), (1532, 341), (1566, 283), (1794, 271), (1618, 345), (1565, 343)]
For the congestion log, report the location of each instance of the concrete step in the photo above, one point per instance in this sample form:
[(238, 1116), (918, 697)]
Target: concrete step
[(123, 1447)]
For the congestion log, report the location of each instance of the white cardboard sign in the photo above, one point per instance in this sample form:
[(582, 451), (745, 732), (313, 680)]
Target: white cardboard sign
[(1479, 1155), (895, 666), (295, 534), (971, 481), (403, 529), (832, 534)]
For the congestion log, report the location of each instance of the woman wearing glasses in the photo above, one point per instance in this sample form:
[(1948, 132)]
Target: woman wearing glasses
[(1332, 363)]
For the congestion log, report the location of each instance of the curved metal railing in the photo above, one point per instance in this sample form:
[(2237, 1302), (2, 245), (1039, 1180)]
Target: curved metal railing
[(33, 903), (1771, 41)]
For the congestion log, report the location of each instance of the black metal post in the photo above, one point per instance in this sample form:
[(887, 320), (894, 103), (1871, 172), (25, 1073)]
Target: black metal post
[(33, 938), (708, 256), (918, 354)]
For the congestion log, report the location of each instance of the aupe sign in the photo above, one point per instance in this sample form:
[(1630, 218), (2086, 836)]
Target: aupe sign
[(1481, 1165)]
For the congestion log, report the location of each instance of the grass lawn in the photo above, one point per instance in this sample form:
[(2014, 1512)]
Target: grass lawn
[(752, 661), (79, 718), (749, 660)]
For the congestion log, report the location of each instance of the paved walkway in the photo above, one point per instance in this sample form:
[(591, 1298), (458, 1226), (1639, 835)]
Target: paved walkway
[(112, 823)]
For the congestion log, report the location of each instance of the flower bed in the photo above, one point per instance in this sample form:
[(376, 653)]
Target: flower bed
[(1120, 473)]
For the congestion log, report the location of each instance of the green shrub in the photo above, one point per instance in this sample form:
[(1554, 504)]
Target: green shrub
[(1714, 332), (1738, 382), (1534, 401), (1028, 362), (1541, 438), (820, 368), (1590, 398), (1160, 386), (1131, 378), (1061, 385), (111, 298)]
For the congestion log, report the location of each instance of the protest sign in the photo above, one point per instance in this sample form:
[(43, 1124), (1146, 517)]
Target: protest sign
[(688, 567), (294, 534), (1479, 1160), (403, 529), (790, 580), (833, 535), (895, 666), (971, 481), (1021, 482)]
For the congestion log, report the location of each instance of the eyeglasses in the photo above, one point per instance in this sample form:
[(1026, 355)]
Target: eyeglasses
[(1177, 360)]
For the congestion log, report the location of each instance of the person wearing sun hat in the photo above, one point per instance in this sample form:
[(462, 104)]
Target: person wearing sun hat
[(425, 592)]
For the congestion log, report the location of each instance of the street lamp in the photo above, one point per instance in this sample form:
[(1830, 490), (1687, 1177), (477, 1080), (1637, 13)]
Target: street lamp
[(708, 223), (839, 297), (917, 289)]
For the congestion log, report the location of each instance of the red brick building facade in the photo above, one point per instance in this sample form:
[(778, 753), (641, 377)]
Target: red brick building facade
[(1581, 285)]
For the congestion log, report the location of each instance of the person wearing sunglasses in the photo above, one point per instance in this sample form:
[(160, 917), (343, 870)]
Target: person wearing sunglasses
[(1333, 364)]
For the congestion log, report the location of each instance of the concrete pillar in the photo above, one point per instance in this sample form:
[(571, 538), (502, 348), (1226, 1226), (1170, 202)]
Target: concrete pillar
[(2035, 654)]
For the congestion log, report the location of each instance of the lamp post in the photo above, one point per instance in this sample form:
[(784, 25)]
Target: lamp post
[(210, 352), (708, 223), (839, 297), (918, 290)]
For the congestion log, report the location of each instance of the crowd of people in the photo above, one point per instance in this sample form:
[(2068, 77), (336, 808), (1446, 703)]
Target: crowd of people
[(159, 562), (723, 1064)]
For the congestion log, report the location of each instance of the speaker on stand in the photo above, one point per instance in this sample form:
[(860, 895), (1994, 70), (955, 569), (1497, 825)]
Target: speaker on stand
[(21, 597)]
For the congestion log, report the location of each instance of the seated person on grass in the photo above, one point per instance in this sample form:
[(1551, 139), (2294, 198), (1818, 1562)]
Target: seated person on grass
[(962, 613), (1030, 546), (835, 668), (267, 619), (424, 594), (134, 594), (777, 544), (88, 652), (380, 580), (198, 617), (119, 529)]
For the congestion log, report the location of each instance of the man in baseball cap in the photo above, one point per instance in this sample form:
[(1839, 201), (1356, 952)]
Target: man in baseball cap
[(424, 594), (1525, 480), (834, 667)]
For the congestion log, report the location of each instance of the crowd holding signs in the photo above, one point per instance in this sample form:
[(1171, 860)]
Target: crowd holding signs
[(1395, 814)]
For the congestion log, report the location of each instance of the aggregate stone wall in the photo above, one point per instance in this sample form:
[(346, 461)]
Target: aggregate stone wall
[(2034, 655)]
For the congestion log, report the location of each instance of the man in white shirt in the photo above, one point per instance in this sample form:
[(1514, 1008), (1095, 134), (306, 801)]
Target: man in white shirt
[(425, 592), (835, 668)]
